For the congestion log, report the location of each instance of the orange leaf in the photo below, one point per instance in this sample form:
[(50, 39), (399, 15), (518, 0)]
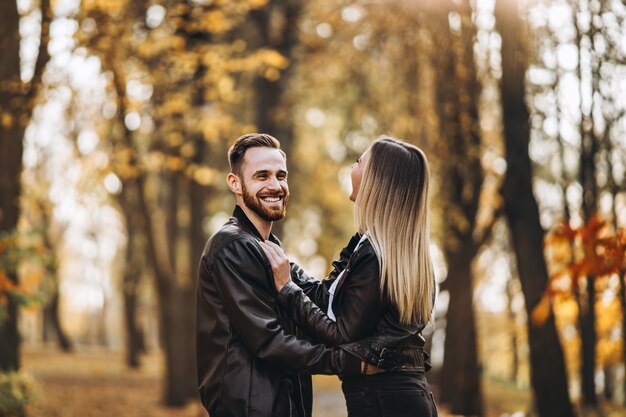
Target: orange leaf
[(6, 285), (564, 231), (541, 312), (593, 226)]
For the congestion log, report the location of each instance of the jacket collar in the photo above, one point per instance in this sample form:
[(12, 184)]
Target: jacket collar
[(247, 224)]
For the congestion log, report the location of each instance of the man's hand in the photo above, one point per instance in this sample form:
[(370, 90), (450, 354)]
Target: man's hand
[(279, 262)]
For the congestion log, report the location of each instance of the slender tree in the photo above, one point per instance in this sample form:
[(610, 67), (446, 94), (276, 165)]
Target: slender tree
[(132, 274), (17, 101), (587, 178), (276, 29), (457, 96), (52, 324), (548, 374)]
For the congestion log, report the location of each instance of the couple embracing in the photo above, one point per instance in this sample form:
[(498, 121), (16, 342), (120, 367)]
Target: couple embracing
[(263, 325)]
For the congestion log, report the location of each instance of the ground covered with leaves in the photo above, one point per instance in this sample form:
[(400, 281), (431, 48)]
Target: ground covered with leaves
[(97, 383)]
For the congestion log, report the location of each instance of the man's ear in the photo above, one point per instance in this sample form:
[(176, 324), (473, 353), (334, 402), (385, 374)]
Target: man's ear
[(234, 183)]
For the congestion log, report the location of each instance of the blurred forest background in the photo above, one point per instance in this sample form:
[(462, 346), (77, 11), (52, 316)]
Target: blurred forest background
[(115, 119)]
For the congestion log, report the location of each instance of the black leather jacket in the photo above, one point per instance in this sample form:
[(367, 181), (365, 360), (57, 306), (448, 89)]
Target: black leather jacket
[(248, 355), (361, 311)]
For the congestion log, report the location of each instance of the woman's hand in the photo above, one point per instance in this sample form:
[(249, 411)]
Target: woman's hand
[(279, 262)]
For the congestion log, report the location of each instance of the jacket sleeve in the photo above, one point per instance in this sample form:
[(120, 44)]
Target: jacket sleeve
[(314, 289), (241, 276), (361, 306)]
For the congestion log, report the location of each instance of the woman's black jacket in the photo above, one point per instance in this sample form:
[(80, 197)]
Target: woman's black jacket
[(367, 325)]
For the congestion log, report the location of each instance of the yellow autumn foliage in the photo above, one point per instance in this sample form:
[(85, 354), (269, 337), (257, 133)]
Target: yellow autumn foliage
[(271, 74), (566, 309), (203, 174), (272, 58), (6, 119), (187, 150), (149, 49), (176, 103), (226, 87), (257, 4), (174, 163), (609, 315), (215, 21), (184, 63), (152, 161), (609, 351), (125, 171), (174, 139), (239, 45), (30, 281), (111, 7)]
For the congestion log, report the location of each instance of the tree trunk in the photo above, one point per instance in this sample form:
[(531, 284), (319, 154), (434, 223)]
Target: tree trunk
[(134, 334), (588, 336), (510, 293), (180, 385), (52, 327), (132, 276), (16, 105), (457, 93), (589, 149), (548, 375), (11, 148), (52, 323), (460, 374), (622, 300), (176, 294), (277, 25), (176, 311), (198, 195)]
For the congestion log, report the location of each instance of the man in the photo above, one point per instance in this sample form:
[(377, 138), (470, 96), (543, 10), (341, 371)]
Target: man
[(248, 355)]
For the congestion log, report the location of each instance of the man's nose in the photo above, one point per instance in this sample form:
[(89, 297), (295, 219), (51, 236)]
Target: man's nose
[(274, 184)]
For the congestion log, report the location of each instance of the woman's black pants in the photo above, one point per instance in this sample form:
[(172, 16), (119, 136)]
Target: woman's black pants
[(391, 394)]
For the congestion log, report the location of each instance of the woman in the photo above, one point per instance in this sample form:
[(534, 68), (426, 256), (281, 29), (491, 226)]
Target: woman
[(382, 287)]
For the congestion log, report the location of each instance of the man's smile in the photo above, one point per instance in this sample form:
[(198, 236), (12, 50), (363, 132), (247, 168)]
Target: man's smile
[(271, 199)]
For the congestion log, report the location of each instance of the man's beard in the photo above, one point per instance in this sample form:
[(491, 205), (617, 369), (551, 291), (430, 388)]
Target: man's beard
[(269, 214)]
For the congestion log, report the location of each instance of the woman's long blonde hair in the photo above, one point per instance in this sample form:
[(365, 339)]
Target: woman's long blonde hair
[(392, 208)]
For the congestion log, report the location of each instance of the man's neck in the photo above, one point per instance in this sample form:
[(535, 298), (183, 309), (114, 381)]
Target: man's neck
[(264, 227)]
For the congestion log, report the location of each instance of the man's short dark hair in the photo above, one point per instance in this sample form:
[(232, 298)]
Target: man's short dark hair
[(247, 141)]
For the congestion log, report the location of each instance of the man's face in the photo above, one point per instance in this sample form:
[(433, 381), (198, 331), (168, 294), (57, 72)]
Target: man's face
[(264, 183)]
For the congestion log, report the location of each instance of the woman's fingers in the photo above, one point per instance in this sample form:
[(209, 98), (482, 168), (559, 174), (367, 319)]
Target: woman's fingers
[(279, 263), (274, 246), (274, 252), (270, 253)]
